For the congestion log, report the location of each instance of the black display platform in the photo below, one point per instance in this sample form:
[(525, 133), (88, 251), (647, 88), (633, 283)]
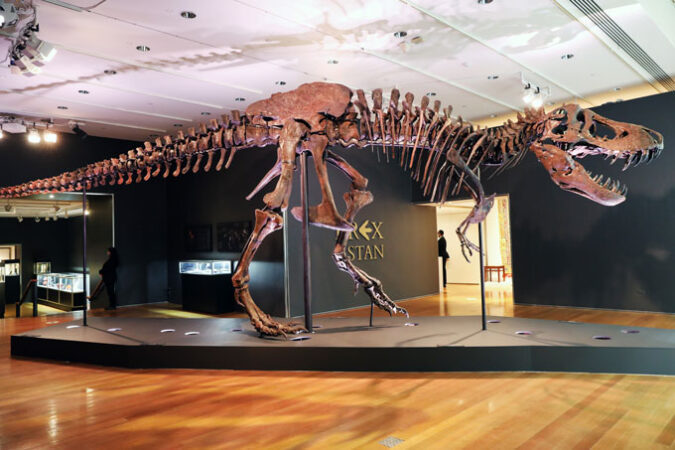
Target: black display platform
[(348, 344)]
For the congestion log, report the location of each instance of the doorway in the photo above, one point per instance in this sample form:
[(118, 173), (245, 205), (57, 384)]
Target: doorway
[(496, 245)]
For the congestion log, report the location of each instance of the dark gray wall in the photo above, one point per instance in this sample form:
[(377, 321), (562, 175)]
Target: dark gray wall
[(409, 267), (99, 238), (39, 241), (140, 211), (569, 251), (214, 197)]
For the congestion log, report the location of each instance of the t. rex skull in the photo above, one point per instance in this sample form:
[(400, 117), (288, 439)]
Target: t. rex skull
[(570, 133)]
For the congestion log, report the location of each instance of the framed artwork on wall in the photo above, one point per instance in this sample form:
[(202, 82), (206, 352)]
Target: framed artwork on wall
[(198, 238), (232, 236)]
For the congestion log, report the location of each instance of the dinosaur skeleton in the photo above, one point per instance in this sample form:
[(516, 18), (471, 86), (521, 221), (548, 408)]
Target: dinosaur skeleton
[(443, 154)]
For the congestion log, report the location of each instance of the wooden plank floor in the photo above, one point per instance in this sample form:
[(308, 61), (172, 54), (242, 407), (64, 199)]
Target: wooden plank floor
[(46, 404)]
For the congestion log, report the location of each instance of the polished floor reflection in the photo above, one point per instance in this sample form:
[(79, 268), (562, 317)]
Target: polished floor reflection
[(45, 404), (464, 300)]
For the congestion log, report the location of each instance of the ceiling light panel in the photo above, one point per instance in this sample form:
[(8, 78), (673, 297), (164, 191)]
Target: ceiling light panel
[(538, 38)]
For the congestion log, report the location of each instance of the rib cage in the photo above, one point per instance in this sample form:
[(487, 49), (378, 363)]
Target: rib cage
[(425, 140)]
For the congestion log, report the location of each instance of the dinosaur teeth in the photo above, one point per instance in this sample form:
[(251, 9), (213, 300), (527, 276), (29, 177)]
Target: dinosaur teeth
[(626, 164)]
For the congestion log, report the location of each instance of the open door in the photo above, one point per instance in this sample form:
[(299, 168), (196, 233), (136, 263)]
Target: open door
[(496, 245)]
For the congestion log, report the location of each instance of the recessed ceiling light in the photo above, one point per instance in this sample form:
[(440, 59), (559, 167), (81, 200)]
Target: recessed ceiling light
[(177, 124), (109, 72), (401, 34), (417, 40), (484, 2), (188, 15), (83, 91), (567, 56), (206, 113), (62, 107), (332, 61), (240, 99), (51, 195), (280, 83), (492, 77), (142, 48), (431, 94)]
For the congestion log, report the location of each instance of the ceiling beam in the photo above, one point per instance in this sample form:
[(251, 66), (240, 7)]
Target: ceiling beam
[(23, 113), (98, 105)]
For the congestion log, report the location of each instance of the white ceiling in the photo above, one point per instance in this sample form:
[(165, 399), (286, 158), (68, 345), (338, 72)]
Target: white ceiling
[(241, 48), (44, 207)]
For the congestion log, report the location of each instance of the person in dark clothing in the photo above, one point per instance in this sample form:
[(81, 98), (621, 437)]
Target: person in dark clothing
[(109, 275), (443, 253)]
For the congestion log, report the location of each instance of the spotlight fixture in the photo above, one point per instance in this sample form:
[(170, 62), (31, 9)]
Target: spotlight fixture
[(33, 136), (188, 15), (617, 88), (83, 92), (142, 48), (37, 220), (567, 56), (177, 125), (9, 208), (538, 100), (62, 107), (79, 132), (8, 14), (20, 219), (534, 95), (492, 77), (206, 113), (400, 34), (431, 94), (484, 2), (529, 93), (110, 72), (41, 50), (49, 136), (28, 53), (280, 83), (332, 61), (240, 99)]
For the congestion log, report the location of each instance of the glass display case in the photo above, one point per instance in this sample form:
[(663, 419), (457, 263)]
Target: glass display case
[(205, 267), (12, 267), (42, 267), (62, 290), (43, 280), (206, 286)]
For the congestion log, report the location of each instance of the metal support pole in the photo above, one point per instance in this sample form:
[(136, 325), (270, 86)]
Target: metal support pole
[(34, 295), (482, 276), (84, 251), (307, 276), (371, 314)]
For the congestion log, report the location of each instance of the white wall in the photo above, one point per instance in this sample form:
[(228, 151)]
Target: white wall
[(459, 271), (492, 238), (448, 219)]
